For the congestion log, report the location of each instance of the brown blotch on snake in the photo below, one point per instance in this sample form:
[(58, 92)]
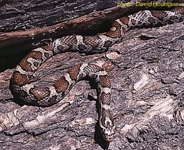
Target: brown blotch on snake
[(61, 85), (20, 79), (178, 10), (105, 81), (114, 31), (159, 14), (74, 71), (39, 92), (25, 64), (91, 40)]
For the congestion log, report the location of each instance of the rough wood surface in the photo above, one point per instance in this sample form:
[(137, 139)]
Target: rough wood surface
[(146, 71), (78, 25), (27, 14), (34, 26)]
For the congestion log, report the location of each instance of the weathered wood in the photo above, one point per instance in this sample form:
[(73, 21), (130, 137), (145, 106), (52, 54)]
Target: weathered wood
[(77, 25), (20, 40), (26, 14), (147, 80)]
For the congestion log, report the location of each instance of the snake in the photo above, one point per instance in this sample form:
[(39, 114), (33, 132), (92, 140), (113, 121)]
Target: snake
[(37, 94)]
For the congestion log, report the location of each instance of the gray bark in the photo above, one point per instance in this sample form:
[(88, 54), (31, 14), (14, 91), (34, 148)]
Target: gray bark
[(29, 14)]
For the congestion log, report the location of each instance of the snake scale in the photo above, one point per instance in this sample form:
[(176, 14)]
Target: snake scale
[(49, 95)]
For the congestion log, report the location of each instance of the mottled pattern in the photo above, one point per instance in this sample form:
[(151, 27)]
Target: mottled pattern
[(19, 79), (74, 72), (61, 85), (39, 93), (25, 64), (45, 96)]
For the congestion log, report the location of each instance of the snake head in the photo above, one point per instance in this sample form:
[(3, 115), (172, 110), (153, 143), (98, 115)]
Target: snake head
[(108, 134), (107, 127)]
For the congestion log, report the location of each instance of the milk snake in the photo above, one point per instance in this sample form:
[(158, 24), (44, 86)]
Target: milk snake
[(49, 95)]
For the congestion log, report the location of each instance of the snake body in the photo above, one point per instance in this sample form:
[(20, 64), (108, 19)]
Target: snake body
[(41, 95)]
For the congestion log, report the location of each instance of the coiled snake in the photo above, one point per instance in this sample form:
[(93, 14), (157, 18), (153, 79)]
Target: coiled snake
[(49, 95)]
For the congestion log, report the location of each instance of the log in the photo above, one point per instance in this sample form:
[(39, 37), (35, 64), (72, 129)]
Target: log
[(32, 31)]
